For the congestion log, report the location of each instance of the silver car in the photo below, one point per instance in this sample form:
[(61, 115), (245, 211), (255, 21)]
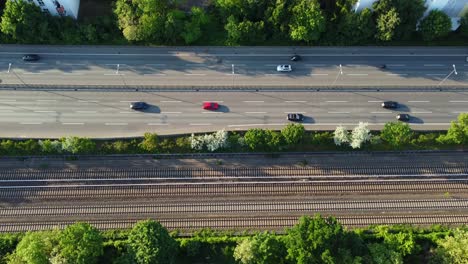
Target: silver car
[(284, 68)]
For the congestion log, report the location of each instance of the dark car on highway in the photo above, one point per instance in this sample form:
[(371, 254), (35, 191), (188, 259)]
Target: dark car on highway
[(403, 117), (31, 57), (390, 104), (138, 105), (296, 58), (295, 117)]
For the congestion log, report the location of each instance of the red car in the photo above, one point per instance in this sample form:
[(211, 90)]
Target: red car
[(210, 106)]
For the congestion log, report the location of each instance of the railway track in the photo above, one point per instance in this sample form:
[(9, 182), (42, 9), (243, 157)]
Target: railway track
[(269, 188), (191, 173), (235, 207), (246, 223)]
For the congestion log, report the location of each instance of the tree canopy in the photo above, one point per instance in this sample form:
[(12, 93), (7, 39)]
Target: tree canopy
[(263, 248), (150, 243), (396, 134), (321, 240), (435, 25), (80, 243)]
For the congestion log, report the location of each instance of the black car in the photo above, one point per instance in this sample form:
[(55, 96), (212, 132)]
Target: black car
[(138, 105), (403, 117), (295, 117), (31, 57), (296, 58), (390, 104)]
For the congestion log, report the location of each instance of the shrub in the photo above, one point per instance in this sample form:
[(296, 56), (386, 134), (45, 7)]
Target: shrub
[(50, 146), (341, 135), (149, 143), (360, 135), (211, 142), (78, 145)]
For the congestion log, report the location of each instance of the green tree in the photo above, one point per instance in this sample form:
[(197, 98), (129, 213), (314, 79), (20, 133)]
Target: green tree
[(408, 13), (386, 25), (245, 32), (78, 145), (458, 131), (193, 27), (261, 140), (307, 21), (142, 20), (396, 134), (321, 240), (255, 139), (174, 26), (464, 25), (149, 142), (435, 25), (273, 140), (80, 243), (24, 22), (278, 16), (293, 133), (453, 249), (150, 243), (401, 240), (382, 253), (34, 248), (263, 248)]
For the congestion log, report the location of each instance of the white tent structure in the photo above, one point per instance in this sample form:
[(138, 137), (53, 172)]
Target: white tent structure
[(453, 8)]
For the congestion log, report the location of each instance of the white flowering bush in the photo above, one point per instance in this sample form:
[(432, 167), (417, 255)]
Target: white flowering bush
[(211, 142), (341, 135), (360, 135)]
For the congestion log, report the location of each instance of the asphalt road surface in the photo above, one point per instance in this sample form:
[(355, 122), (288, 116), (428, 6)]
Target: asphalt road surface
[(237, 66), (107, 114)]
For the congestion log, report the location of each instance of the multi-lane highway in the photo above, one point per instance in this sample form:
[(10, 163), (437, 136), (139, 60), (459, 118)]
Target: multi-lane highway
[(240, 66), (107, 114)]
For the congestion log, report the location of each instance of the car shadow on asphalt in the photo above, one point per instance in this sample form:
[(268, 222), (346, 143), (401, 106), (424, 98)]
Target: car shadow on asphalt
[(308, 120), (415, 120), (223, 109), (402, 108), (151, 109)]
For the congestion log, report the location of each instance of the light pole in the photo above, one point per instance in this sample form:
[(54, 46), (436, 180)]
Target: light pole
[(232, 69), (14, 73), (338, 74), (452, 72)]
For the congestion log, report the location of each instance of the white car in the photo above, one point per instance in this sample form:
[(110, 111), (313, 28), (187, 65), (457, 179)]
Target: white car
[(284, 68)]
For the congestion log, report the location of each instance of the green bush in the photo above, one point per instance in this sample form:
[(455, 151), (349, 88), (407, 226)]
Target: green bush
[(78, 145), (149, 143)]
